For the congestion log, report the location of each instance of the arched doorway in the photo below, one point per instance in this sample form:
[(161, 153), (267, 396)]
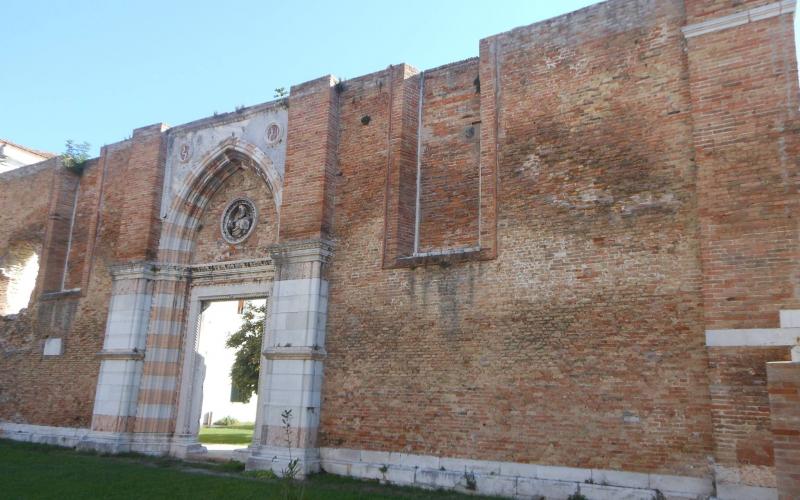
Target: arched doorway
[(213, 246)]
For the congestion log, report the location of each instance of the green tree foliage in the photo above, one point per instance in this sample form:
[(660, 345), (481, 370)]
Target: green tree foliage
[(247, 342)]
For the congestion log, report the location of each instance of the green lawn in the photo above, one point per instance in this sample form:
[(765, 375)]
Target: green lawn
[(48, 472), (232, 434)]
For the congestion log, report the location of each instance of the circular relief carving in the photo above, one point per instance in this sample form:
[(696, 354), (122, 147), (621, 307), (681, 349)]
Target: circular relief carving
[(274, 133), (185, 152), (238, 220)]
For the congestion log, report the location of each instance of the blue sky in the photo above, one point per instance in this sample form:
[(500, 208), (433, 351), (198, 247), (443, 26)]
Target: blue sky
[(94, 70)]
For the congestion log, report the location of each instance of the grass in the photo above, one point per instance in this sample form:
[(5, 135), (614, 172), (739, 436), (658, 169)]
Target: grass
[(49, 472), (231, 434)]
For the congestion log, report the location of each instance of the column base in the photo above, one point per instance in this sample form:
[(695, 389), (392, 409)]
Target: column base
[(151, 444), (186, 447), (110, 443), (277, 459)]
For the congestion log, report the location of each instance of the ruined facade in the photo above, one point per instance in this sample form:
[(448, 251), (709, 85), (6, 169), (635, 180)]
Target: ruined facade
[(572, 261)]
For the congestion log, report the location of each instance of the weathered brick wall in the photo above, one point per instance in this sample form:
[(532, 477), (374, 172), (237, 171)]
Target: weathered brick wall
[(741, 413), (24, 206), (59, 390), (743, 83), (784, 401), (630, 189), (744, 96), (54, 390), (703, 10), (582, 344), (310, 161), (209, 244), (450, 151)]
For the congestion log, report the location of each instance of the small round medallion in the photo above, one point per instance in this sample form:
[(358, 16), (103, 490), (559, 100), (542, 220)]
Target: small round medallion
[(238, 220), (274, 133)]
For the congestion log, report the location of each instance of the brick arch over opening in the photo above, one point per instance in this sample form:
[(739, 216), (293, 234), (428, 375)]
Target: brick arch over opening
[(213, 170)]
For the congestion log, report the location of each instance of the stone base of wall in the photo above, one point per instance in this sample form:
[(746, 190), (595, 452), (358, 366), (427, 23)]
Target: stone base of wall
[(86, 439), (745, 482), (277, 458), (56, 436), (508, 478)]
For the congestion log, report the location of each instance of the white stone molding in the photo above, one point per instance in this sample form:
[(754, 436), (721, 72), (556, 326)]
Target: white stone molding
[(508, 478), (787, 335), (755, 337), (44, 434), (739, 18)]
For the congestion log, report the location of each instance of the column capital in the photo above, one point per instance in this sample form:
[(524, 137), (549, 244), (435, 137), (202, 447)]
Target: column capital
[(295, 252), (133, 270)]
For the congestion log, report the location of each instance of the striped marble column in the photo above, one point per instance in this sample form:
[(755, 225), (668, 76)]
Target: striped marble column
[(294, 350), (157, 396)]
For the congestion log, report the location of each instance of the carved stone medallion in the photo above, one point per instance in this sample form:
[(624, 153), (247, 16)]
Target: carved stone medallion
[(274, 133), (238, 220)]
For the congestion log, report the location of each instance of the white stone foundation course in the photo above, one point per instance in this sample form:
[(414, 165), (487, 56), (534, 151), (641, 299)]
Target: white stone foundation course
[(509, 479)]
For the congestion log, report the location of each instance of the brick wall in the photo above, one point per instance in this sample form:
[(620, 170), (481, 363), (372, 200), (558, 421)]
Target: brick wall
[(784, 402), (744, 96), (209, 244), (112, 221), (582, 344), (740, 409), (450, 154), (627, 189)]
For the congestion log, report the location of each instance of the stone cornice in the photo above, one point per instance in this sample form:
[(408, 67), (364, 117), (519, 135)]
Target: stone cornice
[(253, 268), (134, 354), (302, 353), (739, 18), (302, 251), (132, 270), (250, 268)]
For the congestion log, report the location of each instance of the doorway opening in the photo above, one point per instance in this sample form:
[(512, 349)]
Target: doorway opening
[(229, 345)]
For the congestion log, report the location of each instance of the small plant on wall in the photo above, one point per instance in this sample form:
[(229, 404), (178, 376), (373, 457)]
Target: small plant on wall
[(75, 155)]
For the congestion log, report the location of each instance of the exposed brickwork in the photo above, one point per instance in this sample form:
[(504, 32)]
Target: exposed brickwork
[(140, 220), (538, 334), (744, 97), (310, 161), (740, 409), (209, 244), (784, 402), (703, 10), (449, 184)]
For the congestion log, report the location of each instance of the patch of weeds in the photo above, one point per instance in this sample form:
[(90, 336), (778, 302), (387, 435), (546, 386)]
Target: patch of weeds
[(75, 156), (577, 495), (469, 479)]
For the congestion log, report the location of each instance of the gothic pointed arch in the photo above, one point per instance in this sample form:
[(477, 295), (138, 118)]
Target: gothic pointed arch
[(214, 168)]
